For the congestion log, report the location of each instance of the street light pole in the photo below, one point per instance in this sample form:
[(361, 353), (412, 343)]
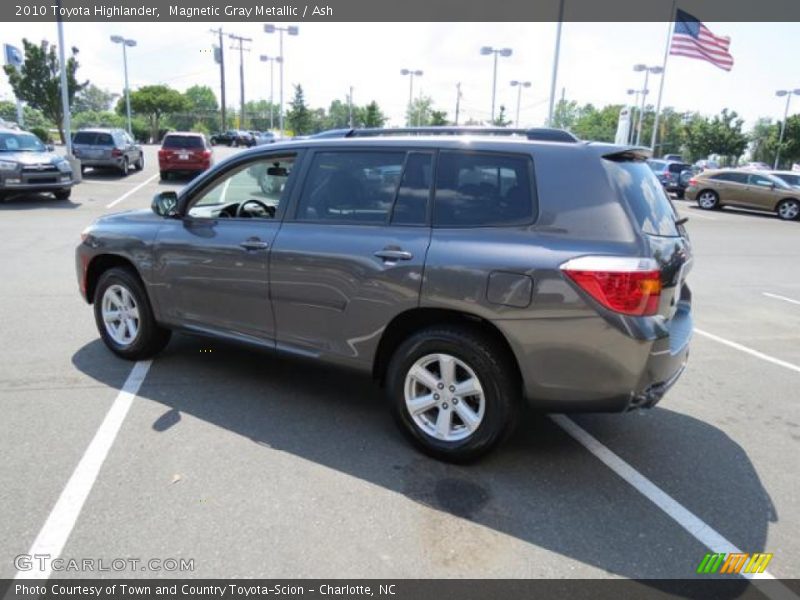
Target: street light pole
[(411, 73), (655, 70), (118, 39), (486, 50), (271, 60), (788, 94), (519, 85), (291, 30)]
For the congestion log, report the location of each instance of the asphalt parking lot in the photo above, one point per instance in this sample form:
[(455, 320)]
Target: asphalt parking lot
[(257, 466)]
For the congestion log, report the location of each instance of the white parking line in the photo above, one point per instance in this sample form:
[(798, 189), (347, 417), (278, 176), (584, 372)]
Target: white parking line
[(698, 529), (784, 298), (56, 530), (750, 351), (133, 191)]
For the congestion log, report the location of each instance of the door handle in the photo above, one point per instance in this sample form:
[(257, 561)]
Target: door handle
[(254, 245), (387, 254)]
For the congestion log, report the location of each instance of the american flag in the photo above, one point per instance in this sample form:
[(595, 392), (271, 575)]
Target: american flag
[(693, 39)]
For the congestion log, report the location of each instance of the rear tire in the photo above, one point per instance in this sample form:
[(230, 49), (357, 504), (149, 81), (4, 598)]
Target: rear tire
[(679, 194), (708, 200), (788, 209), (139, 164), (472, 423), (134, 334), (124, 167), (164, 175)]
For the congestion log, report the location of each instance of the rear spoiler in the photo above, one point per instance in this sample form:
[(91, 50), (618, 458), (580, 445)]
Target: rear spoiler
[(632, 153)]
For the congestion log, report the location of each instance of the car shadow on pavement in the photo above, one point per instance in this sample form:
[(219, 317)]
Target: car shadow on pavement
[(35, 201), (541, 487)]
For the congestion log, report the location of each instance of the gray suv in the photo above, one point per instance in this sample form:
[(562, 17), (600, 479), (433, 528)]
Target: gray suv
[(467, 274), (28, 166), (107, 148)]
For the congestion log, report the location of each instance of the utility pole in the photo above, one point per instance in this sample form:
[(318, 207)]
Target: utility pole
[(458, 100), (221, 61), (241, 40)]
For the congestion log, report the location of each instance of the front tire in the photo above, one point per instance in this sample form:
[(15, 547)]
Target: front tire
[(124, 316), (63, 194), (453, 392), (708, 200), (788, 209)]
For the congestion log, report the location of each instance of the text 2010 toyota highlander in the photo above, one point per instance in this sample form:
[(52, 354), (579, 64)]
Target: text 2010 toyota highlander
[(464, 272)]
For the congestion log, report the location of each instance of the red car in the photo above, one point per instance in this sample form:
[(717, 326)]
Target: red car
[(184, 152)]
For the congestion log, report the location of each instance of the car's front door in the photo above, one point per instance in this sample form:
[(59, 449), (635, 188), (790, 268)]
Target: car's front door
[(351, 257), (211, 265)]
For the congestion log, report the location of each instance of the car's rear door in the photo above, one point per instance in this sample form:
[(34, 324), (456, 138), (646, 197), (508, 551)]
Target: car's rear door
[(761, 192), (351, 256), (211, 265)]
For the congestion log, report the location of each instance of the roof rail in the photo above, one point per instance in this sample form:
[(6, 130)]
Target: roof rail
[(538, 133)]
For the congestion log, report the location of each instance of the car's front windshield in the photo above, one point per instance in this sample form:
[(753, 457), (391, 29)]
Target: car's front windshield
[(20, 142)]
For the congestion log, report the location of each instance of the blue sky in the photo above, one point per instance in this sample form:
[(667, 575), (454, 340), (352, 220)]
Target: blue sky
[(596, 63)]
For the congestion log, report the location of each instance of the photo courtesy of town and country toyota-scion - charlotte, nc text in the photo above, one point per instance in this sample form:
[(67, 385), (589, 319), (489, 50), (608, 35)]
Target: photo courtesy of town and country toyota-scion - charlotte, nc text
[(109, 11)]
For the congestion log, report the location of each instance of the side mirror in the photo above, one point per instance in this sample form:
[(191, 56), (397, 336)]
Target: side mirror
[(50, 148), (165, 204)]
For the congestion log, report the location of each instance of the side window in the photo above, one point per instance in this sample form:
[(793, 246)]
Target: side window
[(256, 190), (411, 205), (477, 189), (760, 180), (350, 187)]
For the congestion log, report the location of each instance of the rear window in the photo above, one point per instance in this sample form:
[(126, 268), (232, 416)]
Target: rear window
[(635, 181), (183, 141), (84, 137), (678, 167), (657, 165), (483, 189), (104, 139)]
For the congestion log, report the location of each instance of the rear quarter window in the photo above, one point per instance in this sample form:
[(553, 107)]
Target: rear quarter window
[(477, 189), (635, 183)]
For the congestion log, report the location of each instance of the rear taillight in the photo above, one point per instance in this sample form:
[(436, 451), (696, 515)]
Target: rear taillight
[(116, 152), (693, 181), (162, 153), (631, 286), (206, 153)]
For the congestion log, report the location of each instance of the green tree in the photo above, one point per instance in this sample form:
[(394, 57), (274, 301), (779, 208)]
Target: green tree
[(501, 120), (419, 112), (565, 114), (38, 81), (721, 135), (299, 116), (33, 116), (153, 102), (92, 98), (200, 98), (439, 117), (373, 117), (764, 140)]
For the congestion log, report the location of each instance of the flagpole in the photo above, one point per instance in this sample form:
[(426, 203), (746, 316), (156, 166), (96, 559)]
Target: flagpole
[(671, 25)]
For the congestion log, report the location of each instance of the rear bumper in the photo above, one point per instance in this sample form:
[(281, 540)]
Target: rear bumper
[(111, 163), (183, 165), (587, 365)]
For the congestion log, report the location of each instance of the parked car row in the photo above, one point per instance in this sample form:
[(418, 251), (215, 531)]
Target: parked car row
[(238, 138)]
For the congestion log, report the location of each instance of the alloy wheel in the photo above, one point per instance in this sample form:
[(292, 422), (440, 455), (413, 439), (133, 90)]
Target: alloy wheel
[(120, 315), (444, 397)]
